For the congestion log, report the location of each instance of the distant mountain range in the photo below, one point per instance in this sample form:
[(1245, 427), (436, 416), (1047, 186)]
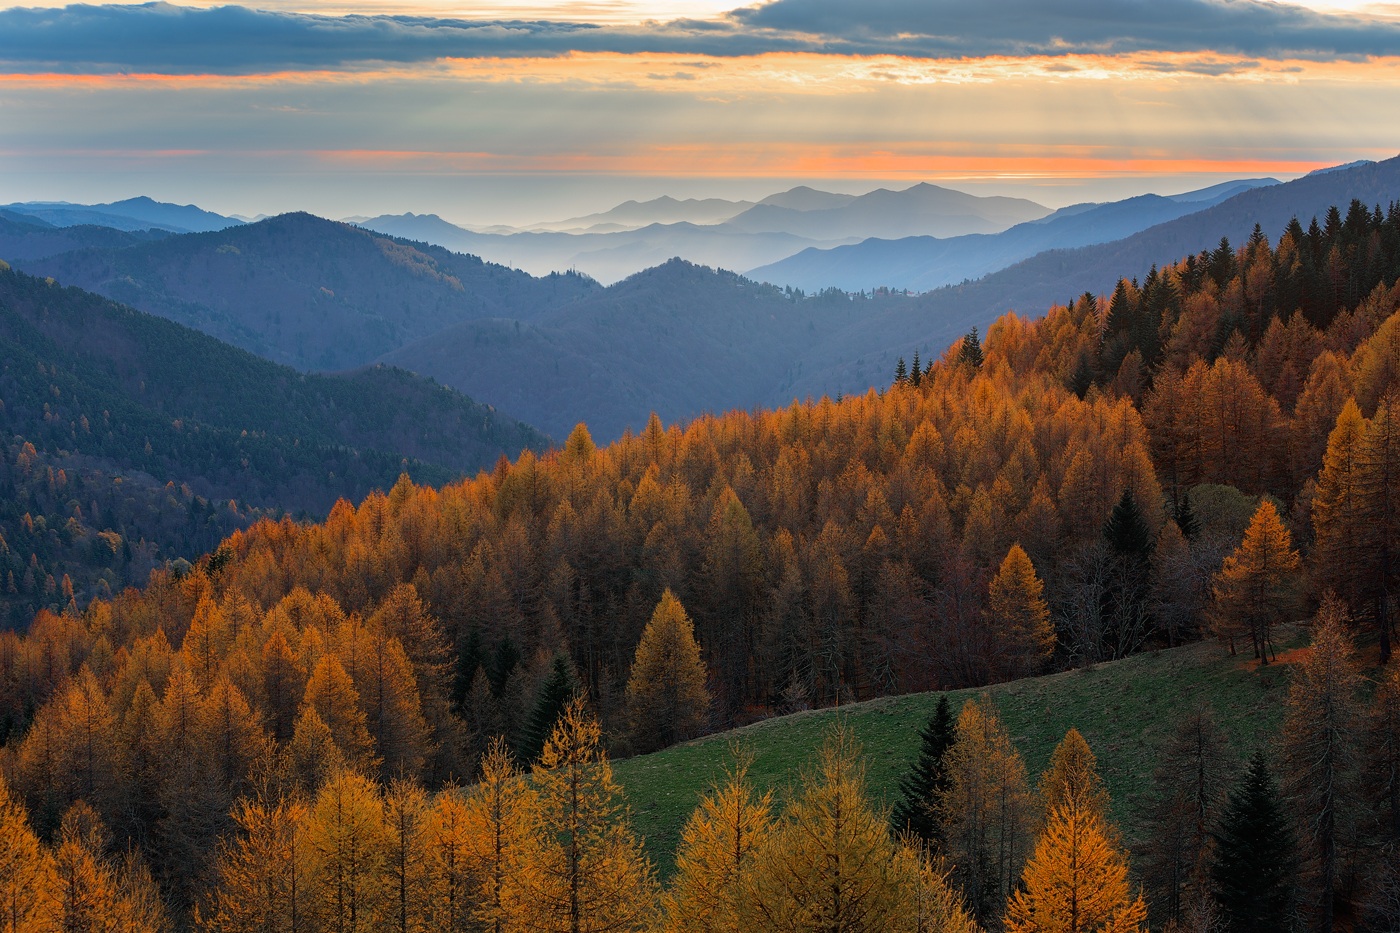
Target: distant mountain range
[(132, 214), (629, 215), (727, 234), (923, 263), (300, 290), (676, 338), (682, 340)]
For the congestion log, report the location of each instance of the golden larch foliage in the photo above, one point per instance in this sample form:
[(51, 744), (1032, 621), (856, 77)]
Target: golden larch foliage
[(716, 853), (1077, 879), (348, 843), (667, 701), (988, 810), (1019, 617), (589, 875), (1336, 504), (499, 831), (332, 696), (26, 871), (1258, 586), (1075, 882), (262, 883), (1073, 778), (830, 864)]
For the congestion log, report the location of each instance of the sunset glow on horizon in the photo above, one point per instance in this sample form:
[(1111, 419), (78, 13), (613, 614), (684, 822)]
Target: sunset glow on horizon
[(191, 102)]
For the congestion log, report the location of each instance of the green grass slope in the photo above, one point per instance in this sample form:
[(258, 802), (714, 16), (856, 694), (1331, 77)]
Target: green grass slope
[(1125, 710)]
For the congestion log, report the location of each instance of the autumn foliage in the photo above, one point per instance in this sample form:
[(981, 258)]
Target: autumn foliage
[(329, 725)]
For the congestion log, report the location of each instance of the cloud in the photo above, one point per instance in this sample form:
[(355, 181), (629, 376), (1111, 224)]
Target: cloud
[(161, 37), (937, 28)]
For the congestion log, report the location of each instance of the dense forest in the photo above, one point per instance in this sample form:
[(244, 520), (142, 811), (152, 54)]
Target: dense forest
[(129, 440), (275, 737)]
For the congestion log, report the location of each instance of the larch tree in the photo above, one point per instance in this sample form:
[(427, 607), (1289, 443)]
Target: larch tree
[(830, 864), (1187, 791), (589, 873), (1337, 561), (312, 756), (987, 810), (1379, 492), (348, 845), (716, 855), (667, 701), (1252, 867), (26, 871), (929, 904), (1257, 587), (405, 812), (1021, 633), (90, 894), (1320, 734), (447, 864), (732, 571), (332, 696), (500, 836), (1076, 881), (1072, 780), (918, 810), (262, 883)]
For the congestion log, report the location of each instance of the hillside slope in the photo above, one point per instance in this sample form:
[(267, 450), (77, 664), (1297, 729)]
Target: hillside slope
[(1125, 710), (116, 421)]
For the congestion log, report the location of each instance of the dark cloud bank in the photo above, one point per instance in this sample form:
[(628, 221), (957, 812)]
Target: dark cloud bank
[(234, 39)]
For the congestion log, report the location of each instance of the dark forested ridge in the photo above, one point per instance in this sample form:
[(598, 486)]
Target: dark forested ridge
[(307, 292), (678, 339), (126, 437)]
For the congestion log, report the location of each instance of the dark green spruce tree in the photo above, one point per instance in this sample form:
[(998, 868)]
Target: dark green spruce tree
[(917, 810), (1125, 608), (559, 686), (971, 352), (1252, 872)]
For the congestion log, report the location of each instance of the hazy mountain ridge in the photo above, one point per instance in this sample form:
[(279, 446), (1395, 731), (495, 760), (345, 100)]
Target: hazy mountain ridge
[(141, 213), (923, 209), (937, 318), (25, 237), (926, 263), (308, 292), (678, 339), (779, 226)]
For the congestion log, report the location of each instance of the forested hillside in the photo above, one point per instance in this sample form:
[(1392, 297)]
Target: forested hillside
[(1212, 451), (129, 440)]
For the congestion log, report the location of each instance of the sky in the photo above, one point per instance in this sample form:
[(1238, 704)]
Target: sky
[(512, 111)]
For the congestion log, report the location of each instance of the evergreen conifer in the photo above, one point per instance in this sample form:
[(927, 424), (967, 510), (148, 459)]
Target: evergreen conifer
[(921, 789), (1252, 870)]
